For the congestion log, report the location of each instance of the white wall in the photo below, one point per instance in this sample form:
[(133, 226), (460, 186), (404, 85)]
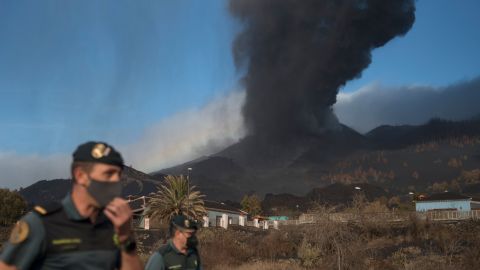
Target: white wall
[(475, 205), (212, 217)]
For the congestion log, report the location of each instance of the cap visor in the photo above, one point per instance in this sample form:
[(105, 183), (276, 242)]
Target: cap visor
[(183, 229)]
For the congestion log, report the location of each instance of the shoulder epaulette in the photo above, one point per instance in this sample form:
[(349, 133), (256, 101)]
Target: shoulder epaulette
[(47, 208)]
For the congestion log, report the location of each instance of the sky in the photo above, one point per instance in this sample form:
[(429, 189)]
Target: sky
[(156, 79)]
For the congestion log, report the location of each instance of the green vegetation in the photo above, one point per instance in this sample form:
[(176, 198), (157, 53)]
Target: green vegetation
[(12, 207), (251, 204), (176, 196), (413, 244)]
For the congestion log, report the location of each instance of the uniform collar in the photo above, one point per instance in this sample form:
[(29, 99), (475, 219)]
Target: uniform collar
[(70, 208), (170, 242)]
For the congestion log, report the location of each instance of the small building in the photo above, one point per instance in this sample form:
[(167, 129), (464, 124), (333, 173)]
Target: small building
[(475, 204), (282, 218), (443, 201), (219, 213)]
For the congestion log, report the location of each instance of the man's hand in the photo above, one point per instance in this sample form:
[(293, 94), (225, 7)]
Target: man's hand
[(119, 212), (4, 266)]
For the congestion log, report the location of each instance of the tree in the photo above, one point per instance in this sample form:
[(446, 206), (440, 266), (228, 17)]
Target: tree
[(12, 207), (175, 196), (439, 187), (251, 204), (394, 202), (359, 201)]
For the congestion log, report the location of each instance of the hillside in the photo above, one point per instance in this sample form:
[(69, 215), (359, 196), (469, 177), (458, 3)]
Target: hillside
[(447, 164), (398, 159), (428, 158), (263, 166), (134, 183), (396, 137), (336, 195)]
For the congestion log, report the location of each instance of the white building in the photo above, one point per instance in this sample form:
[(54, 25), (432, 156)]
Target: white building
[(218, 214), (221, 215)]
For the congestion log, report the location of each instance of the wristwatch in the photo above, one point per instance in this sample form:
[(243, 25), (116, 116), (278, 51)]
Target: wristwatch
[(128, 246)]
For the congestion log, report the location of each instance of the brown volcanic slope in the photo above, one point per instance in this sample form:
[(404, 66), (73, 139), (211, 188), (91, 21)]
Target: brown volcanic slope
[(395, 158), (454, 163), (253, 165)]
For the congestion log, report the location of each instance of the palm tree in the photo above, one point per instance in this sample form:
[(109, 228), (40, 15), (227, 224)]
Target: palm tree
[(175, 196)]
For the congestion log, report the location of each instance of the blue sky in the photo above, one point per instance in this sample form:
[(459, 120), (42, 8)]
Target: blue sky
[(441, 48), (72, 71)]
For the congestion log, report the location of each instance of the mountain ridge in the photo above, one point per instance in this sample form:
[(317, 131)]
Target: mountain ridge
[(298, 167)]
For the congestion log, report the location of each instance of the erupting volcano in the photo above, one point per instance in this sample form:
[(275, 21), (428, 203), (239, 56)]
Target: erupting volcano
[(295, 56)]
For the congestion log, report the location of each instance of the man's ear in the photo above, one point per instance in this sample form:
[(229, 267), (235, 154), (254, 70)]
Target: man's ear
[(81, 177), (177, 232)]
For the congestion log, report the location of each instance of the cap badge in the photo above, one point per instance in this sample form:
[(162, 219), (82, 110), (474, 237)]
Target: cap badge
[(187, 223), (100, 150)]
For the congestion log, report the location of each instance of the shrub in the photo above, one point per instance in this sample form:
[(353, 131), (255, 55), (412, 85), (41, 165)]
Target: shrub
[(309, 254), (12, 207)]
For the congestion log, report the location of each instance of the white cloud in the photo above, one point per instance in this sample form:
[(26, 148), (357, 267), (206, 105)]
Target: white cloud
[(375, 105), (176, 139), (22, 170), (189, 134)]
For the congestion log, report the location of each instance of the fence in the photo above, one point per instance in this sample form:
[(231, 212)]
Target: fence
[(394, 216), (449, 215), (348, 217)]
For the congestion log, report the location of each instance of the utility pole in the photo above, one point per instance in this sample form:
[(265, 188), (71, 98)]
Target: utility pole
[(188, 191)]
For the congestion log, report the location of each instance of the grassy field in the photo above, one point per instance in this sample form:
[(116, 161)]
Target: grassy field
[(411, 245), (367, 245)]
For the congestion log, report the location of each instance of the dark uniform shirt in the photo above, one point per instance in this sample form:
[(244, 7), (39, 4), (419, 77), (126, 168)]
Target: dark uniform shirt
[(169, 257), (60, 238)]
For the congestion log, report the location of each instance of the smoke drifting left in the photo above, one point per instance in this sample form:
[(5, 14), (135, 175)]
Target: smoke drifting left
[(298, 53)]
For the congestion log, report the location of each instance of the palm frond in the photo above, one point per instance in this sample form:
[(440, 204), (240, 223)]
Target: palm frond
[(174, 197)]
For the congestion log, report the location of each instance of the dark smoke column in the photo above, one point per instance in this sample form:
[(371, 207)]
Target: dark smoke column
[(298, 53)]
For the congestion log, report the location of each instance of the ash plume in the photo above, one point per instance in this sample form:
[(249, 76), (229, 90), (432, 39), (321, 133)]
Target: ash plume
[(375, 104), (297, 53)]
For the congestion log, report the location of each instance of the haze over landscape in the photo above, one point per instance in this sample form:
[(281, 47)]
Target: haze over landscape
[(159, 81)]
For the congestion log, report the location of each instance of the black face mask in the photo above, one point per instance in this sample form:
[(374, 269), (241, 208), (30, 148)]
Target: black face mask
[(104, 192), (192, 242)]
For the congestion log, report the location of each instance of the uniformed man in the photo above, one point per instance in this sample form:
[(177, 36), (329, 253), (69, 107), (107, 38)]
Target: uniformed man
[(89, 229), (180, 252)]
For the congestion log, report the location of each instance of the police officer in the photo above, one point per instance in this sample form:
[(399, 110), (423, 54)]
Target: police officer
[(89, 229), (180, 252)]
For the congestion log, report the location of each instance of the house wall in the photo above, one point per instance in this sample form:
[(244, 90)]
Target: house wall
[(212, 217), (460, 205), (475, 205), (278, 218)]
